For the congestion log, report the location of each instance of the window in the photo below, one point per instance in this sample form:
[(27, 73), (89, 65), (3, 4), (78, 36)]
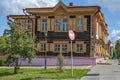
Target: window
[(61, 25), (44, 24), (65, 25), (79, 47), (57, 47), (64, 47), (43, 47), (57, 26), (79, 24), (25, 23)]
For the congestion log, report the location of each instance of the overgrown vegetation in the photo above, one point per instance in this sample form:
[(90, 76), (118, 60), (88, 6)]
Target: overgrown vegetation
[(40, 73), (117, 50)]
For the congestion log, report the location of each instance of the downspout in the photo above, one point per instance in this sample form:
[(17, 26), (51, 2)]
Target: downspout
[(24, 11)]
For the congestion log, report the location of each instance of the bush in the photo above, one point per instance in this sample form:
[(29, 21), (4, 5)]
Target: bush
[(119, 60), (60, 62), (110, 57)]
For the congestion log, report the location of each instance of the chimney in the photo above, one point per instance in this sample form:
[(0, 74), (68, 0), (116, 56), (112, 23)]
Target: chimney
[(71, 4)]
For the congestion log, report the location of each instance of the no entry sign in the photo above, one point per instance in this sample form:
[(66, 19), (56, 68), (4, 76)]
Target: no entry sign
[(71, 35)]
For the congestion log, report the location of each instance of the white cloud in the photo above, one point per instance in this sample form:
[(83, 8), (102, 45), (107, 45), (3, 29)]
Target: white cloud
[(112, 5), (115, 35), (16, 6)]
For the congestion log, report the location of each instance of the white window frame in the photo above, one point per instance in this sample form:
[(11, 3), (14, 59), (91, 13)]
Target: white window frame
[(64, 48), (44, 25), (79, 24), (61, 26), (79, 48), (57, 47), (43, 47)]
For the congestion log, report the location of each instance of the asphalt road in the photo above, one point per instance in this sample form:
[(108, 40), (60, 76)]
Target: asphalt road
[(109, 71)]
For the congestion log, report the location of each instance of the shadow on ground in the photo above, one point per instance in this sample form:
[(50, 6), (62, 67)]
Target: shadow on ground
[(92, 75)]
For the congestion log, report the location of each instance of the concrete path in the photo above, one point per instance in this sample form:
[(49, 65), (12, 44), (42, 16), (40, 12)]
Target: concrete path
[(104, 71)]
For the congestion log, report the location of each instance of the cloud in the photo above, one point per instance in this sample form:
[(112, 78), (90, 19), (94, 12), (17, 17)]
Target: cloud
[(115, 35), (112, 5), (16, 6)]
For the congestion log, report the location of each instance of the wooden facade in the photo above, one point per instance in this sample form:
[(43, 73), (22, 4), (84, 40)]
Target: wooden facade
[(86, 21)]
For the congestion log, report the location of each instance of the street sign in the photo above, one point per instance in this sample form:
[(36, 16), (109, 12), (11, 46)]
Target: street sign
[(71, 35)]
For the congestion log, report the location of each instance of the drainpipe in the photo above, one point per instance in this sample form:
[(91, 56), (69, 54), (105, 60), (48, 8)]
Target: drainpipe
[(24, 11)]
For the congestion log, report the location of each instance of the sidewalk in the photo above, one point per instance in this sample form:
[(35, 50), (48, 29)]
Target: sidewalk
[(66, 67), (109, 71)]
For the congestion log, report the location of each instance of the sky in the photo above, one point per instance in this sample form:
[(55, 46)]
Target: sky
[(110, 9)]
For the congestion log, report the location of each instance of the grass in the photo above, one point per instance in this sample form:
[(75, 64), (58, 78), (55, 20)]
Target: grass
[(40, 73)]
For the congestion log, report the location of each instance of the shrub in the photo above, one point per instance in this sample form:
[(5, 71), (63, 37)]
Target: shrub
[(119, 60), (110, 57), (60, 62)]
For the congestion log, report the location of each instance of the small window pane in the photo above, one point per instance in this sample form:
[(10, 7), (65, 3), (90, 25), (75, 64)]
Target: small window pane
[(79, 24), (44, 24), (65, 25), (64, 47), (79, 47), (57, 24), (43, 47), (57, 47)]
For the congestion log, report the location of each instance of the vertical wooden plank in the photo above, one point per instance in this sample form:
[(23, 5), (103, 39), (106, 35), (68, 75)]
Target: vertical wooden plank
[(52, 24), (84, 47), (74, 24), (85, 24), (48, 24), (39, 25), (70, 23), (52, 47)]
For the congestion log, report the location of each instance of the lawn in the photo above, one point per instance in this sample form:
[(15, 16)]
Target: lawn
[(40, 73)]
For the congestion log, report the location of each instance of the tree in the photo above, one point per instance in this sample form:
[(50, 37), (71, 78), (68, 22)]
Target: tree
[(19, 44), (3, 49), (2, 45), (117, 47)]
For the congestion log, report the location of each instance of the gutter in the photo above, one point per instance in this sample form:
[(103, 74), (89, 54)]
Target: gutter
[(8, 18)]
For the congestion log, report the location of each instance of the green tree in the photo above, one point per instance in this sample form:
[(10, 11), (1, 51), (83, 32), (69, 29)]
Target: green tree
[(20, 45), (117, 48), (2, 45)]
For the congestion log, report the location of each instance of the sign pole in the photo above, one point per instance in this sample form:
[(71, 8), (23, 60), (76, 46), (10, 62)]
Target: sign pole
[(71, 58), (72, 37)]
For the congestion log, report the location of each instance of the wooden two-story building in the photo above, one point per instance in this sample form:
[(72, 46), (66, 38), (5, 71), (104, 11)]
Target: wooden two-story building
[(50, 25)]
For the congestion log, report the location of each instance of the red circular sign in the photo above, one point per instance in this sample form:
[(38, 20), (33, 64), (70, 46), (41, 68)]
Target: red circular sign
[(71, 35)]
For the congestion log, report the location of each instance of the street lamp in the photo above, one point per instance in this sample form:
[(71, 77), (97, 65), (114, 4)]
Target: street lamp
[(45, 33)]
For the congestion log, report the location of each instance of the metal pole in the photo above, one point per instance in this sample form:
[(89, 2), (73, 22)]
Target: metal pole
[(45, 50), (71, 59)]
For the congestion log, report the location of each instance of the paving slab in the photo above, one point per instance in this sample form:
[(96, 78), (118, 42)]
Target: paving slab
[(106, 71)]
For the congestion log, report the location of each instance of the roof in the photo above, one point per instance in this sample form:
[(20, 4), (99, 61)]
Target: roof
[(60, 4)]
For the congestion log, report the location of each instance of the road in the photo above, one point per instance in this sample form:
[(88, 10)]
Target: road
[(104, 71)]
